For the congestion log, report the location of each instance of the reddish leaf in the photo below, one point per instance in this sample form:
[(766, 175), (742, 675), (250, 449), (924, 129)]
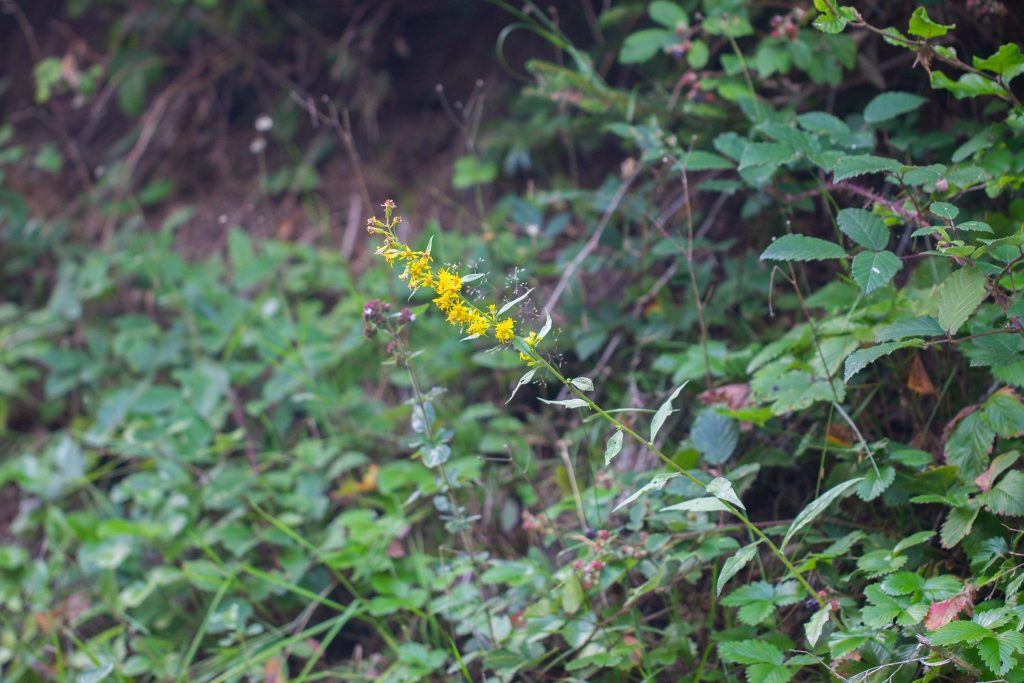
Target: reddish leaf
[(919, 382), (735, 396), (945, 611)]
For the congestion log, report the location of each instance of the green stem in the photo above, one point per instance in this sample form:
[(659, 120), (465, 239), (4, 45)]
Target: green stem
[(649, 445)]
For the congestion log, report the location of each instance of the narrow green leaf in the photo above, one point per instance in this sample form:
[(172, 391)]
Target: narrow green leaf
[(816, 507), (721, 488), (657, 482), (664, 410), (735, 563), (512, 303), (567, 403), (706, 504), (860, 359), (816, 624), (525, 379), (612, 448)]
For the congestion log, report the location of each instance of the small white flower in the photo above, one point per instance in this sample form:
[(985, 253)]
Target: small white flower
[(264, 123)]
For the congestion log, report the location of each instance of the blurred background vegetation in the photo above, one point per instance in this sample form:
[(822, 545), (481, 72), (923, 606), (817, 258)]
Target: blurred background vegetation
[(210, 457)]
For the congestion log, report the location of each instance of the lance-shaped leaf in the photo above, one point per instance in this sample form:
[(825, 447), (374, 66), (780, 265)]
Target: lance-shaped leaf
[(657, 482), (816, 507), (664, 410), (613, 447)]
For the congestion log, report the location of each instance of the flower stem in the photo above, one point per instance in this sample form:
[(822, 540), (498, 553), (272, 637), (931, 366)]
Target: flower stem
[(650, 445)]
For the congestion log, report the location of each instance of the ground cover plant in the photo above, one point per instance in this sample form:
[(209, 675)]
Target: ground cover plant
[(703, 361)]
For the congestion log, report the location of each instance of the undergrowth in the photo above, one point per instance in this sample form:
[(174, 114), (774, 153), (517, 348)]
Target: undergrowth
[(722, 384)]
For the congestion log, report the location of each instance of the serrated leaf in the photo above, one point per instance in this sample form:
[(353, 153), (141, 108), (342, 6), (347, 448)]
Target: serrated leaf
[(957, 632), (957, 525), (852, 166), (944, 210), (974, 226), (802, 248), (612, 448), (735, 563), (860, 359), (715, 436), (1004, 413), (657, 482), (864, 228), (921, 326), (889, 105), (903, 583), (922, 25), (816, 507), (750, 652), (876, 482), (706, 504), (961, 294), (766, 154), (874, 269), (945, 611), (664, 410), (969, 444), (994, 350), (721, 488), (1006, 497)]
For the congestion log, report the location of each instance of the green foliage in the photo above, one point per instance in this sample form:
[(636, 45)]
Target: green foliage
[(775, 433)]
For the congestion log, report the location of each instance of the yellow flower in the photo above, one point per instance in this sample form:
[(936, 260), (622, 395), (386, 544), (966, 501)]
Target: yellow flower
[(447, 281), (532, 339), (448, 301), (459, 315), (419, 272), (504, 331), (479, 324)]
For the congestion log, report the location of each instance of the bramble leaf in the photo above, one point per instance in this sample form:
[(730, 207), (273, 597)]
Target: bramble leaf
[(864, 228), (802, 248)]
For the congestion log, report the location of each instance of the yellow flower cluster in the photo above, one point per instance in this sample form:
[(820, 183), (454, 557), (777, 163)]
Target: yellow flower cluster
[(531, 341), (447, 285)]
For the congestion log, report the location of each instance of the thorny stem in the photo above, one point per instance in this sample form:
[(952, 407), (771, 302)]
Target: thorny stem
[(824, 366), (467, 540), (924, 46), (650, 445), (697, 302)]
